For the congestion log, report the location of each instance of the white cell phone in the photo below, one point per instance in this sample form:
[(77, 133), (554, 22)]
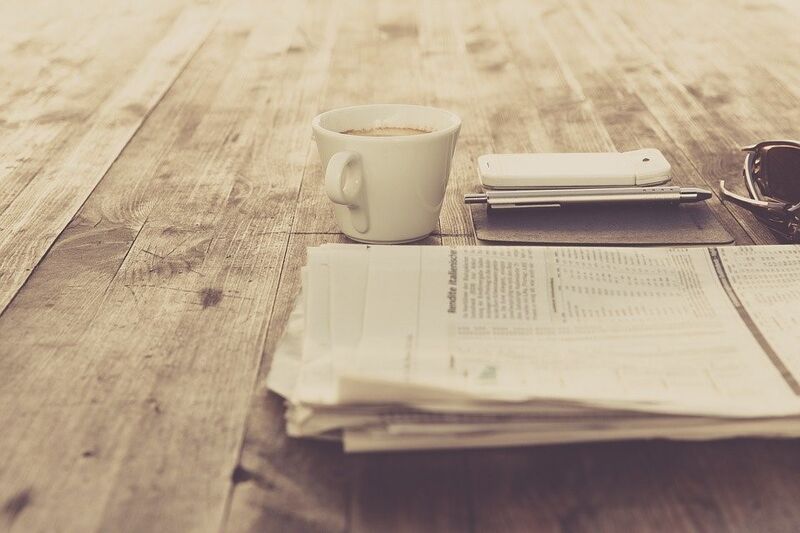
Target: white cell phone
[(647, 166)]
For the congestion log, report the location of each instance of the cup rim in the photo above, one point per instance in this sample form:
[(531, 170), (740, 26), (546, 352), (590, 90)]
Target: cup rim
[(449, 130)]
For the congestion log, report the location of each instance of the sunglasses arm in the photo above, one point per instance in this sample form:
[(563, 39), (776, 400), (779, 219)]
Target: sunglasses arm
[(758, 146), (749, 203)]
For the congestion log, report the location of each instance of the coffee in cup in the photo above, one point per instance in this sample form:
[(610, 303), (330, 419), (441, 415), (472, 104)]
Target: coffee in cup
[(386, 131)]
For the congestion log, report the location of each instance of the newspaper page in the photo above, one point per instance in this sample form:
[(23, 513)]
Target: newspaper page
[(333, 289), (658, 327), (764, 284)]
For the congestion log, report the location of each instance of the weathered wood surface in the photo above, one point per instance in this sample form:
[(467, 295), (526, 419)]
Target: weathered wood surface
[(159, 186)]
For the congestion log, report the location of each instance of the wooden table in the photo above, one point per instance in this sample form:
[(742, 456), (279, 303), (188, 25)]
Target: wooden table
[(159, 186)]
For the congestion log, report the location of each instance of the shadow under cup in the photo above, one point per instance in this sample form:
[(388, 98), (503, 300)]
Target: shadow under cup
[(386, 189)]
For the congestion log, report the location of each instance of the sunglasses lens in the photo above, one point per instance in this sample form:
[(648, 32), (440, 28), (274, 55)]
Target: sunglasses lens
[(779, 173)]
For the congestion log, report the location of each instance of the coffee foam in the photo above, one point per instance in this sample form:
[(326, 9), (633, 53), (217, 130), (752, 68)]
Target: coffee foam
[(398, 120)]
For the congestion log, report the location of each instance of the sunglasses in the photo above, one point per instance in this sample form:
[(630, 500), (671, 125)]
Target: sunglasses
[(772, 176)]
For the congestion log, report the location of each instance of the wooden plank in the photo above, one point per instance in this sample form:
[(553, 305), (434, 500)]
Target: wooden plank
[(402, 51), (411, 492), (525, 101), (626, 121), (38, 213), (507, 106), (375, 60), (569, 120), (710, 145), (65, 291), (168, 328), (458, 240), (63, 69), (445, 48), (768, 61), (735, 485), (735, 85)]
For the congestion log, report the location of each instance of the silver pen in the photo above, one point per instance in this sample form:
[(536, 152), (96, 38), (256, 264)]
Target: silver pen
[(598, 195)]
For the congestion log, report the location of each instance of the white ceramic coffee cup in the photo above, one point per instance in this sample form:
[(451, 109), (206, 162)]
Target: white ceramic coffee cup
[(386, 189)]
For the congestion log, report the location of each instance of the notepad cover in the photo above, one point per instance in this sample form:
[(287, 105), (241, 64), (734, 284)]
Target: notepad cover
[(612, 225)]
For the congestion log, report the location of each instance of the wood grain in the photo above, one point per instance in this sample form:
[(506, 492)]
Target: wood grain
[(741, 98), (277, 481), (36, 215), (193, 250), (607, 95), (158, 189), (282, 484), (710, 142), (57, 69), (369, 40)]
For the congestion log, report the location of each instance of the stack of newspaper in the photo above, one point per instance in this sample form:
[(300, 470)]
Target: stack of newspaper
[(427, 347)]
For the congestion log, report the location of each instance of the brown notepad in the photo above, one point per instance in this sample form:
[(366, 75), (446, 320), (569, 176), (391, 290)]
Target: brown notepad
[(601, 225)]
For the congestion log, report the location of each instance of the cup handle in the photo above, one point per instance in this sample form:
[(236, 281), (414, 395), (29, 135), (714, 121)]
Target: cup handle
[(344, 184)]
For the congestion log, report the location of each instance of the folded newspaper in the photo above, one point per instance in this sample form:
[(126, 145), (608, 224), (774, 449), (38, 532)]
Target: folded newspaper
[(415, 347)]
